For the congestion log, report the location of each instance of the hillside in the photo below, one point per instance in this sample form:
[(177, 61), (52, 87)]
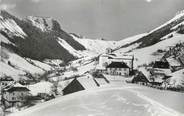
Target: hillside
[(156, 35), (36, 37)]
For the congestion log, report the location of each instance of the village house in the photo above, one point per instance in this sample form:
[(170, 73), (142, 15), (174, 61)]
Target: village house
[(15, 95), (5, 81), (159, 71), (140, 78), (118, 68), (174, 64), (79, 84), (109, 59), (82, 83)]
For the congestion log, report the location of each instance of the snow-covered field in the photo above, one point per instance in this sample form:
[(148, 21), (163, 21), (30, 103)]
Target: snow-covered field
[(112, 100)]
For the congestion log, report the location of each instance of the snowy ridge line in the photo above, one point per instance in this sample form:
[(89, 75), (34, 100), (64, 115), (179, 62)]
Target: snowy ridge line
[(179, 15), (165, 109)]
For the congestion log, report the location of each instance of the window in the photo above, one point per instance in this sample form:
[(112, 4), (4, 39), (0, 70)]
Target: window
[(119, 69), (13, 98)]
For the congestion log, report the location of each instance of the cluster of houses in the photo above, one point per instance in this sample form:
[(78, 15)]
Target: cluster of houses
[(113, 64), (14, 94), (158, 75)]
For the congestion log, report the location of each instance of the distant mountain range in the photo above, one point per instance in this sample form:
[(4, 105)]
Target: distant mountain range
[(33, 40)]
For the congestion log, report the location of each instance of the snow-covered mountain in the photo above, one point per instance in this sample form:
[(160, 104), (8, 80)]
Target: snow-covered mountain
[(37, 37), (40, 38)]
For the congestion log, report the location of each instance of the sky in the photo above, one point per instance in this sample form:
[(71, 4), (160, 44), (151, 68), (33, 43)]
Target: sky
[(108, 19)]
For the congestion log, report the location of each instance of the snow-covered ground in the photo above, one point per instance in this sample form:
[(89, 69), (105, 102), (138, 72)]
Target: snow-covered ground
[(98, 46), (177, 78), (115, 99), (146, 55), (178, 16), (40, 22), (11, 27), (14, 65), (41, 87)]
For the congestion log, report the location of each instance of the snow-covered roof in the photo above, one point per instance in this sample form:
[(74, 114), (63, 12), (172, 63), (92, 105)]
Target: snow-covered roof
[(173, 62), (41, 87), (17, 87), (162, 71), (87, 82)]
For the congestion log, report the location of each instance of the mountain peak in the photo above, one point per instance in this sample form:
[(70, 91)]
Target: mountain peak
[(43, 23), (5, 14)]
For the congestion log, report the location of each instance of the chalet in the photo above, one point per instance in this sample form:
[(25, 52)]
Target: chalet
[(15, 95), (79, 84), (5, 81), (110, 58), (159, 71), (118, 68), (140, 78), (106, 59), (174, 64)]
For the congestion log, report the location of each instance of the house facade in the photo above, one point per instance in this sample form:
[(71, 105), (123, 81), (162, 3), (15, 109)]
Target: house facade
[(106, 59), (160, 70), (118, 68), (15, 95)]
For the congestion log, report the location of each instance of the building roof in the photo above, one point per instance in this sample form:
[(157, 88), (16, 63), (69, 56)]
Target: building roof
[(173, 62), (6, 78), (161, 64), (17, 89), (117, 65), (87, 82), (140, 77)]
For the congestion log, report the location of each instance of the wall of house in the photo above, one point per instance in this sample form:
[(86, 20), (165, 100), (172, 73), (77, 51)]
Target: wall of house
[(105, 59), (118, 71), (5, 83), (15, 96)]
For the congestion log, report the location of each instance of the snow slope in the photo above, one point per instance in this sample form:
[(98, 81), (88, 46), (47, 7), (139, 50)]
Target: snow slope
[(16, 66), (68, 47), (177, 78), (42, 23), (117, 100), (98, 46), (11, 27), (178, 16), (149, 54), (5, 40)]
